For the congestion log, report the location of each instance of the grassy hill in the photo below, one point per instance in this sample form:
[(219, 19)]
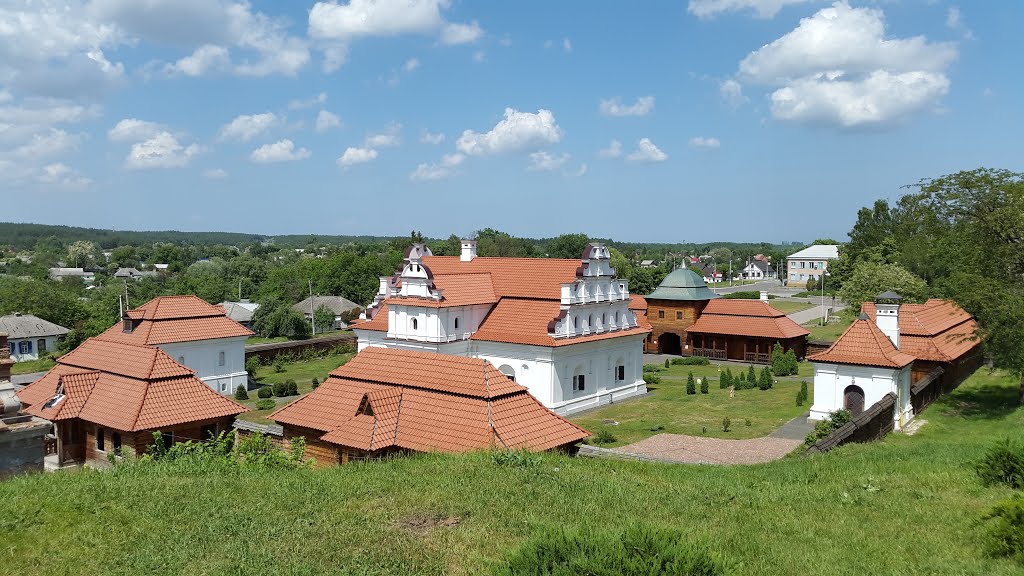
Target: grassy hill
[(907, 505)]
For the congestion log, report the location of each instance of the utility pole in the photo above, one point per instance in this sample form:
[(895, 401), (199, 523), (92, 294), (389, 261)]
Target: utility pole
[(312, 313), (126, 305), (239, 289)]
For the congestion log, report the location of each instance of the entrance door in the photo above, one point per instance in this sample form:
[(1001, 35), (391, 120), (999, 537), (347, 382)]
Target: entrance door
[(669, 343), (853, 400)]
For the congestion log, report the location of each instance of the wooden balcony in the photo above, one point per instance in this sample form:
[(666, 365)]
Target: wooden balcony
[(757, 358), (713, 353)]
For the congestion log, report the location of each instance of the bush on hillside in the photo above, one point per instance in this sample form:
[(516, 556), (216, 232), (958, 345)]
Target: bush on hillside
[(252, 364), (652, 368), (651, 379), (603, 436), (280, 389), (691, 386), (835, 420), (241, 393), (1002, 464), (265, 404), (291, 388), (315, 383), (726, 423), (265, 392), (784, 363), (1005, 536), (637, 551)]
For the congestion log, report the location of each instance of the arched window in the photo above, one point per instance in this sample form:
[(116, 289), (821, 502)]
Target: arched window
[(578, 379), (603, 319), (456, 322), (590, 322), (415, 324), (508, 371), (576, 323), (181, 359), (220, 358)]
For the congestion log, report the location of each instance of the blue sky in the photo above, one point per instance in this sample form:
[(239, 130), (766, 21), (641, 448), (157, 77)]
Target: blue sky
[(710, 120)]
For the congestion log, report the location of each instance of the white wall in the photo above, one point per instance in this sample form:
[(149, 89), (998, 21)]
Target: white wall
[(15, 344), (831, 380), (203, 356)]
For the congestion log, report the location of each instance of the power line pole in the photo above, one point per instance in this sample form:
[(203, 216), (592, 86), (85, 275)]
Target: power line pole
[(312, 313)]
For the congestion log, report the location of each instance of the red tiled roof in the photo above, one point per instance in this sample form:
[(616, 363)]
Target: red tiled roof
[(515, 277), (523, 321), (456, 290), (746, 318), (638, 304), (442, 372), (937, 330), (864, 344), (168, 319), (125, 387), (419, 414), (379, 322)]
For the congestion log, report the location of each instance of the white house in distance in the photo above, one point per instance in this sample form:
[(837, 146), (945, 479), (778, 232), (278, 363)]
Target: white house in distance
[(29, 336), (759, 270), (811, 262), (864, 365), (196, 334), (562, 328)]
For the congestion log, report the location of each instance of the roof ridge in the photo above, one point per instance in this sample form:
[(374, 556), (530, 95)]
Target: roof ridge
[(142, 404)]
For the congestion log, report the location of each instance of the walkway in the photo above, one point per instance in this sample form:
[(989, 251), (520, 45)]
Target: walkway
[(804, 316), (685, 449)]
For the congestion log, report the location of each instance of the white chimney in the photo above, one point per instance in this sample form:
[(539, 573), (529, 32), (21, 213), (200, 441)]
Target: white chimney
[(887, 315), (764, 295), (468, 251)]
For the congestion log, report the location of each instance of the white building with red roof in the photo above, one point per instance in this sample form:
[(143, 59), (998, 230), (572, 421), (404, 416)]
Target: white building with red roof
[(195, 333), (561, 328)]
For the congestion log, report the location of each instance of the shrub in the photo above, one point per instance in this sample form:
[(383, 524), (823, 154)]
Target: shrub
[(691, 361), (746, 422), (812, 284), (265, 404), (315, 383), (280, 389), (651, 379), (652, 368), (667, 363), (784, 363), (1005, 537), (515, 458), (241, 393), (704, 385), (252, 364), (764, 382), (726, 423), (603, 436), (291, 388), (804, 394), (636, 551), (724, 380), (825, 427), (265, 392), (691, 387), (1003, 463), (278, 365), (752, 375)]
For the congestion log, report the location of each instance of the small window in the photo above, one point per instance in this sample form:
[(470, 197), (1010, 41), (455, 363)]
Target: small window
[(100, 441), (620, 373), (590, 322), (220, 358), (456, 322), (25, 347), (679, 315), (415, 324), (116, 439), (181, 360), (578, 382), (41, 345), (576, 322), (661, 313)]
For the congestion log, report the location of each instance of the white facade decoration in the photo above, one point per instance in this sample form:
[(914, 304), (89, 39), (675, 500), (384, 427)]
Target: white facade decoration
[(219, 362), (595, 303)]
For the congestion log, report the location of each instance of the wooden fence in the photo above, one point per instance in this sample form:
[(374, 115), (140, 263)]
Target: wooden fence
[(872, 424), (267, 352)]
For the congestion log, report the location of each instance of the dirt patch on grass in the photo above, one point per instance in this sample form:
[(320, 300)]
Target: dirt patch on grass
[(422, 524)]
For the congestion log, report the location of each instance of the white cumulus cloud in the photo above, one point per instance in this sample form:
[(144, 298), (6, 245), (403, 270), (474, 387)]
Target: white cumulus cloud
[(428, 138), (248, 126), (545, 161), (837, 67), (63, 177), (614, 107), (318, 100), (438, 171), (326, 120), (353, 156), (161, 151), (51, 142), (386, 138), (702, 142), (614, 150), (280, 151), (461, 33), (732, 93), (133, 130), (207, 58), (646, 151), (517, 132), (762, 8)]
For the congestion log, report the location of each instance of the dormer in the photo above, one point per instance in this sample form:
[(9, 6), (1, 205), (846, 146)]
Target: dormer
[(417, 252), (596, 262)]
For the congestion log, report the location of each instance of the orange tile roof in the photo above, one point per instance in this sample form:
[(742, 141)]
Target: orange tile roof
[(422, 415), (442, 372), (168, 319), (523, 321), (379, 322), (456, 290), (125, 387), (515, 277), (864, 344), (937, 330), (746, 318), (638, 304)]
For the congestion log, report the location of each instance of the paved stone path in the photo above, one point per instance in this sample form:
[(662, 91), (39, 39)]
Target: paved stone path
[(700, 450), (804, 316)]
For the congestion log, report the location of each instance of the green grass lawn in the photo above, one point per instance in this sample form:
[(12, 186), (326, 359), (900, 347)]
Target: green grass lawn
[(905, 505), (668, 408), (789, 306), (302, 372), (30, 366), (831, 331)]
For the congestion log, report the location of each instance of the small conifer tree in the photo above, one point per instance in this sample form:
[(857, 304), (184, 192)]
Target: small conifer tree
[(316, 383), (725, 380), (704, 385), (691, 386), (240, 393), (764, 381), (752, 375)]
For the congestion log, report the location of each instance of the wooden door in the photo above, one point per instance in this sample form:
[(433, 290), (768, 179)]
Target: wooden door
[(853, 400)]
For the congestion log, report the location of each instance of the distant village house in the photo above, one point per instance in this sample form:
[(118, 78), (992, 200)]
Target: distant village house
[(29, 336)]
